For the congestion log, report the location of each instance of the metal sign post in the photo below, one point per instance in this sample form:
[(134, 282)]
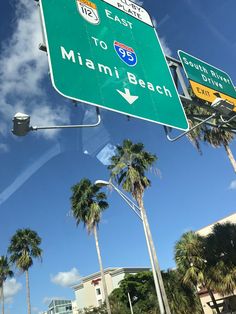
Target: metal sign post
[(107, 53)]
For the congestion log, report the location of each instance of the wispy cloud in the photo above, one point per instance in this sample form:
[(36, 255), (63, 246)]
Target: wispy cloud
[(232, 185), (194, 5), (163, 20), (66, 279), (165, 47), (11, 288), (154, 21), (138, 2), (22, 70), (4, 148)]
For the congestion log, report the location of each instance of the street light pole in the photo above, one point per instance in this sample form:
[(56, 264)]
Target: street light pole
[(160, 291), (130, 304), (155, 261)]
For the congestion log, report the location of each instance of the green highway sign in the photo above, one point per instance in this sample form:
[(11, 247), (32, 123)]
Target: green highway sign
[(106, 53), (207, 81)]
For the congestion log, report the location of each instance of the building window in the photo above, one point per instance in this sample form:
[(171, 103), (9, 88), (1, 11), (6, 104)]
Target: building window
[(98, 291), (99, 302)]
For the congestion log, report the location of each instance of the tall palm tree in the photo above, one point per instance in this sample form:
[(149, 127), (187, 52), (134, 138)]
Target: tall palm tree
[(24, 247), (190, 258), (87, 204), (128, 167), (5, 272)]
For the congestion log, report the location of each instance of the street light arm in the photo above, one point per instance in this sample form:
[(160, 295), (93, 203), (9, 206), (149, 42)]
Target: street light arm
[(21, 124), (186, 132), (131, 204)]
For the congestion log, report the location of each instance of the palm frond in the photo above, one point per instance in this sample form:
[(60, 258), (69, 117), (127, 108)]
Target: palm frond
[(24, 247), (87, 203), (129, 165)]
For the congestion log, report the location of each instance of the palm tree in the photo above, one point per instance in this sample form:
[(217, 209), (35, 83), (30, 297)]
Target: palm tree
[(87, 204), (195, 136), (221, 257), (24, 246), (190, 258), (5, 272), (214, 136), (218, 137), (183, 298), (128, 167)]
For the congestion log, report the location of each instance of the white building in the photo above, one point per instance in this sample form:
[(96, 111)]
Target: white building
[(88, 293)]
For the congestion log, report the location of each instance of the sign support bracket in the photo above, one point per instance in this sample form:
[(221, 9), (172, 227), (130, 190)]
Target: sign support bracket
[(175, 65), (35, 128), (185, 133), (227, 121)]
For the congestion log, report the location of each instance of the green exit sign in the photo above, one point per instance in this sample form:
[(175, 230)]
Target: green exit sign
[(207, 81), (107, 53)]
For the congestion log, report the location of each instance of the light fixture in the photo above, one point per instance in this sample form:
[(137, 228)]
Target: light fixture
[(222, 106), (21, 124)]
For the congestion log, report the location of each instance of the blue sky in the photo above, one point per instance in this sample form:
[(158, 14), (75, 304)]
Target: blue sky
[(37, 171)]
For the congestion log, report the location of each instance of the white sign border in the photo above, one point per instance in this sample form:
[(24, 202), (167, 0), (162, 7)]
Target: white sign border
[(103, 107)]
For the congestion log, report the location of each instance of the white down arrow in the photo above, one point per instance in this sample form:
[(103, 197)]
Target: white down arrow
[(127, 96)]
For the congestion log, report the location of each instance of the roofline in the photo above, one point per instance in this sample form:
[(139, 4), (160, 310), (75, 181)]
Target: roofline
[(217, 221), (112, 270), (129, 269), (92, 276)]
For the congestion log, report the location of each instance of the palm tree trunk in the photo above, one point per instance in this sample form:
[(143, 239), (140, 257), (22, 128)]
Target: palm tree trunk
[(28, 291), (230, 156), (154, 256), (102, 271), (214, 301), (2, 298)]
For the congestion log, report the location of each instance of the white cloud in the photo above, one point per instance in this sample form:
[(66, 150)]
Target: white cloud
[(66, 279), (22, 70), (44, 115), (4, 148), (154, 21), (138, 2), (232, 185), (165, 47), (11, 288)]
